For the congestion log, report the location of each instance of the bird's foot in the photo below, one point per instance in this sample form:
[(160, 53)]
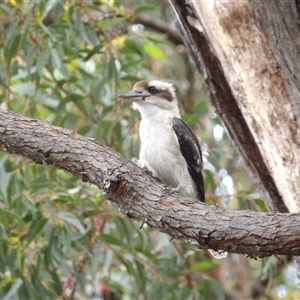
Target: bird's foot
[(170, 190), (142, 223), (148, 172), (218, 254), (143, 165)]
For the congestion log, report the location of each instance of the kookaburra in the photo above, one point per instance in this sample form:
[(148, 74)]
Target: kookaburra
[(169, 149)]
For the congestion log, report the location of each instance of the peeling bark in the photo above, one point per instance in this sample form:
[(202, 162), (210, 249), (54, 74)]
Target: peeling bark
[(143, 198)]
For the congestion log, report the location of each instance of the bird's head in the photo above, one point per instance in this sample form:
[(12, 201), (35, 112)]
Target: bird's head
[(151, 96)]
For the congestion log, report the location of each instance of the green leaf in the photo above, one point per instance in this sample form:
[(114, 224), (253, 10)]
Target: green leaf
[(143, 8), (6, 216), (11, 294), (87, 54), (261, 204), (11, 47), (5, 9), (191, 119), (72, 220), (154, 51), (109, 239), (204, 265), (24, 35), (108, 22), (35, 229), (42, 58), (20, 259), (52, 36), (48, 7), (84, 130), (57, 61), (25, 89), (217, 288), (112, 70), (30, 57), (209, 180), (8, 166)]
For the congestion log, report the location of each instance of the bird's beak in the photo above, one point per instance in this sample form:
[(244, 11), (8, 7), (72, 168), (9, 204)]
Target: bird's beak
[(134, 96)]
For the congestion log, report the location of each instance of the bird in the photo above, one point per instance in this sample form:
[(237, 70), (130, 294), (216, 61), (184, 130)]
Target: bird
[(168, 147)]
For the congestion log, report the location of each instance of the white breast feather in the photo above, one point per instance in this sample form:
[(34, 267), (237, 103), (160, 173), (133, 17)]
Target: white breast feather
[(160, 153)]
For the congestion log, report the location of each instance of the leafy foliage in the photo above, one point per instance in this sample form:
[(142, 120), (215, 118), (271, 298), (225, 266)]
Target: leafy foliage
[(65, 62)]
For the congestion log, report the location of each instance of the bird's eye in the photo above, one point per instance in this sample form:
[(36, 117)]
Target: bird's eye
[(152, 89)]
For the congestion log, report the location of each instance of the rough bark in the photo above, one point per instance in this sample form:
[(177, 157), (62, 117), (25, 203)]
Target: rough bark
[(251, 78), (142, 197)]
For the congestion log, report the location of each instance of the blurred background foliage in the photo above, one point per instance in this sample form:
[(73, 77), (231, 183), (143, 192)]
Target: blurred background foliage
[(65, 62)]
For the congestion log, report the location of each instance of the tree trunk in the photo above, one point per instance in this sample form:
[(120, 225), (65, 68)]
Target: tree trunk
[(247, 53), (142, 197)]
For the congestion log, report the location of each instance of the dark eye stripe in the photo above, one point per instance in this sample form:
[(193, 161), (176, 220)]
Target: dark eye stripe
[(160, 93), (165, 94)]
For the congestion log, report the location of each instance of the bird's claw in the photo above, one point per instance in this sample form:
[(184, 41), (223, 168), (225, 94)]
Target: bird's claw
[(142, 224), (218, 254), (170, 190), (148, 171)]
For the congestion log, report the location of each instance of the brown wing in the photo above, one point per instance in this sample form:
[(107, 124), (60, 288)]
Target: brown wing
[(191, 151)]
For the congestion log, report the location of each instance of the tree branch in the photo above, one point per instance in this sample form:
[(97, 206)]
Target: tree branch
[(142, 197), (159, 26)]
